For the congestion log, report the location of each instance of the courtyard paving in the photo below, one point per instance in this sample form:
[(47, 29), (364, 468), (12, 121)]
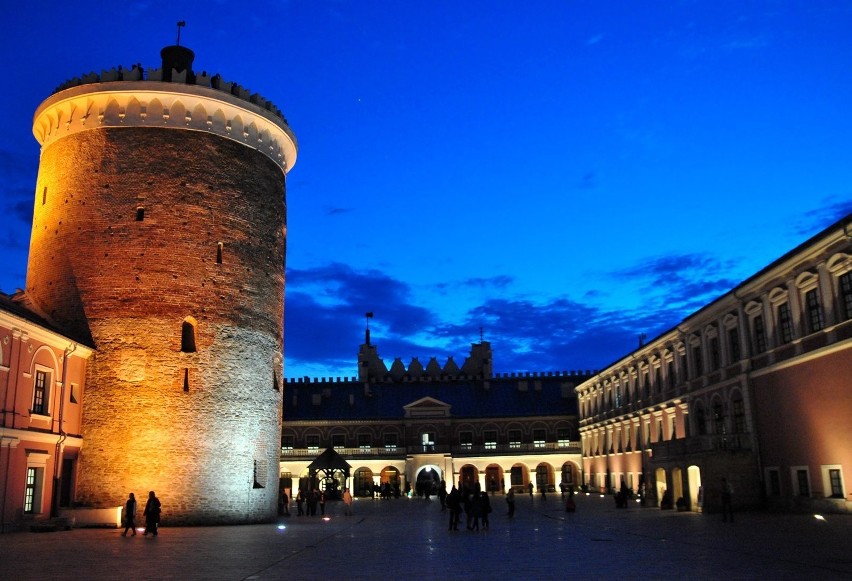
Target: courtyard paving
[(408, 539)]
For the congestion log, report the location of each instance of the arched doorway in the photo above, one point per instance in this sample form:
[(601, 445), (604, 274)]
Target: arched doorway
[(518, 478), (363, 482), (544, 477), (693, 474), (428, 481), (494, 481), (661, 485), (468, 476), (390, 482), (569, 476), (677, 484)]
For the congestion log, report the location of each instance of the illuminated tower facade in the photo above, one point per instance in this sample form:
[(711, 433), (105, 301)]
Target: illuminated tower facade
[(159, 233)]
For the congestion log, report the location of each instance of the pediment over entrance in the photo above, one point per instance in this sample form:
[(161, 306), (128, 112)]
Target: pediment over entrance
[(427, 407)]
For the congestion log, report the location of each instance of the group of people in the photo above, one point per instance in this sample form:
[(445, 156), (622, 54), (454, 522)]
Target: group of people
[(476, 505), (307, 502), (151, 514), (311, 499)]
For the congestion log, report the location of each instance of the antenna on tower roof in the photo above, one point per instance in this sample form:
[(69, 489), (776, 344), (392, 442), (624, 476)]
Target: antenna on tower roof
[(369, 316), (180, 25)]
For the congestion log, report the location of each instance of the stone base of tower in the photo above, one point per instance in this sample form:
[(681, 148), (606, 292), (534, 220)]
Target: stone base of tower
[(200, 429)]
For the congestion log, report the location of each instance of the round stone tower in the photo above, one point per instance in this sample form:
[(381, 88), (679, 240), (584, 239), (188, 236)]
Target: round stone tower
[(159, 235)]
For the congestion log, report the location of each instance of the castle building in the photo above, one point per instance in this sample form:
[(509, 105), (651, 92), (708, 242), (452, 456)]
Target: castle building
[(42, 377), (158, 239), (756, 388), (413, 427)]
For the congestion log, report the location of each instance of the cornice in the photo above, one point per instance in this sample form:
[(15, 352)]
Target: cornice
[(163, 105)]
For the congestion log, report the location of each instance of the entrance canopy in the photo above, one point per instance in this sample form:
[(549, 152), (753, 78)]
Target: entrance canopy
[(330, 468)]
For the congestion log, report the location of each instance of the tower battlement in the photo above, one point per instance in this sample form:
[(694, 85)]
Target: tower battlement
[(137, 73), (177, 100)]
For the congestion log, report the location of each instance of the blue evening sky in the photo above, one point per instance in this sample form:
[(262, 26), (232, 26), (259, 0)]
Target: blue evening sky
[(564, 175)]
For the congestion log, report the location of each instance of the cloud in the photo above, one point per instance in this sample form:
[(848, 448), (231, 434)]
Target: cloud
[(831, 211), (682, 283), (326, 306)]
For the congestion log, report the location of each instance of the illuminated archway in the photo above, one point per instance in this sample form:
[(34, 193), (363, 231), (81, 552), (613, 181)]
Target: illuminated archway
[(494, 480), (695, 491), (362, 482)]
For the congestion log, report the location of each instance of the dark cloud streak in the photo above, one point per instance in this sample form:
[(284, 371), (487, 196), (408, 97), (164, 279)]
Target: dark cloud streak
[(326, 308)]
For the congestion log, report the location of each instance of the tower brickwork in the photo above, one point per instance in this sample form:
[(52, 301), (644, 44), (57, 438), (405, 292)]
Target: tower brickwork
[(159, 234)]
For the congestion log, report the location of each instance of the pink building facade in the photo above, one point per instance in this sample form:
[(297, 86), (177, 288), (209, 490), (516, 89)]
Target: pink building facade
[(755, 388), (42, 381)]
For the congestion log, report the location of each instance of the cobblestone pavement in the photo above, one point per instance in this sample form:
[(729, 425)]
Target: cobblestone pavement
[(408, 538)]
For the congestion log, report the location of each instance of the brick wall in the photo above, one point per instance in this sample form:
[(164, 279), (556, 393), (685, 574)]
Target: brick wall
[(130, 284)]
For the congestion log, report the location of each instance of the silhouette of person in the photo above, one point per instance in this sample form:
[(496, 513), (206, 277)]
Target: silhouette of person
[(152, 514), (510, 501), (130, 515), (727, 500)]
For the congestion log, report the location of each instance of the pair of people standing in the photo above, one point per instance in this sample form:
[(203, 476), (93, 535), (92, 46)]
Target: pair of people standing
[(151, 514)]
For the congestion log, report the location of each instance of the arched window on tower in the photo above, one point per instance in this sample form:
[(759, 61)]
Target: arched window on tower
[(187, 336)]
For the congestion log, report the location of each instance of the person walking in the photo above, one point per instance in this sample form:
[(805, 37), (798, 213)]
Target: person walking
[(322, 502), (727, 500), (130, 515), (299, 501), (510, 501), (486, 510), (285, 502), (454, 504), (347, 502), (531, 490), (152, 514)]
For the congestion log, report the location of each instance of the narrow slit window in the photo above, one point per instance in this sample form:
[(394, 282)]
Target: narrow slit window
[(218, 253), (140, 214), (44, 196), (186, 379), (275, 384), (187, 336)]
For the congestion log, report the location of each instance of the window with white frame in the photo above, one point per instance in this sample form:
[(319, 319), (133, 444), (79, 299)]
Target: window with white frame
[(563, 437), (489, 439), (813, 311), (801, 480), (338, 441), (41, 392), (832, 481), (514, 439), (34, 485), (844, 291), (539, 437), (312, 441), (466, 440), (365, 442), (287, 442), (785, 323), (427, 440), (734, 344), (697, 359), (390, 441)]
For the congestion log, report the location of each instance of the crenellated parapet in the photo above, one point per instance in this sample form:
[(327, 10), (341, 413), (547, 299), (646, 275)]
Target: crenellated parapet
[(127, 98), (137, 73)]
